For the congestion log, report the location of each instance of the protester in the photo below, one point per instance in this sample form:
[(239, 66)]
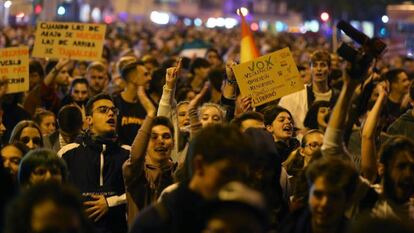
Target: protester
[(41, 166), (48, 207), (46, 121), (70, 121), (27, 132), (219, 154)]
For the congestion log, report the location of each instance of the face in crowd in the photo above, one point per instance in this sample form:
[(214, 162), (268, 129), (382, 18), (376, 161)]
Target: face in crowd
[(63, 77), (326, 203), (141, 77), (282, 127), (79, 93), (311, 142), (160, 144), (182, 115), (11, 156), (399, 177), (98, 80), (210, 114), (31, 137), (401, 85), (320, 71), (48, 125), (102, 120)]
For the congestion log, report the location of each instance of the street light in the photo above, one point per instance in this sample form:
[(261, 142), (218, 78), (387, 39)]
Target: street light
[(385, 19), (242, 10), (325, 16), (7, 4)]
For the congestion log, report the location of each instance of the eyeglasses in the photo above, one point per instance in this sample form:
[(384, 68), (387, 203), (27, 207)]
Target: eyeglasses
[(105, 110), (314, 146), (27, 139)]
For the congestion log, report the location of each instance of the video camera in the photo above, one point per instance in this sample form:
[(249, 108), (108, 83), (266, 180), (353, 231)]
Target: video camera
[(362, 58)]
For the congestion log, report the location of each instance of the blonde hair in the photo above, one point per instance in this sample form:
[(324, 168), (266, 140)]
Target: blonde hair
[(221, 110)]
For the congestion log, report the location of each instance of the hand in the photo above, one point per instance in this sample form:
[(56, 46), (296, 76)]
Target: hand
[(98, 208), (146, 102), (171, 75), (197, 99), (246, 104), (383, 88), (349, 81), (229, 71), (62, 63)]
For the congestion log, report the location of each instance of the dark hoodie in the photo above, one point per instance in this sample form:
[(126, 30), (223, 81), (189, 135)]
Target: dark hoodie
[(404, 125)]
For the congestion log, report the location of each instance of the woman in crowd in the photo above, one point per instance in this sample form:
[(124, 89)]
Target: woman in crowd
[(46, 121), (27, 132)]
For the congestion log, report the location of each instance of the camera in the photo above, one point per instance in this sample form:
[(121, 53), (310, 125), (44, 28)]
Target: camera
[(362, 58)]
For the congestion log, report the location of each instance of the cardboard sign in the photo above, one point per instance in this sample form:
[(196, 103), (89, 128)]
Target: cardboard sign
[(14, 65), (79, 41), (269, 77)]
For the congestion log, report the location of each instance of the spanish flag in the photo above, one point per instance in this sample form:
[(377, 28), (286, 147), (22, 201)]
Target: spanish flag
[(248, 50)]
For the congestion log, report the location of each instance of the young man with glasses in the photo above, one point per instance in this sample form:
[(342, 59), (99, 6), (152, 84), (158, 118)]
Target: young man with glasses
[(95, 165), (131, 112)]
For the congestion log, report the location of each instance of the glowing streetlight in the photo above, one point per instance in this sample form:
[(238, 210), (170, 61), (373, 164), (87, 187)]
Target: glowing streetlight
[(243, 10), (385, 19), (7, 4), (325, 16)]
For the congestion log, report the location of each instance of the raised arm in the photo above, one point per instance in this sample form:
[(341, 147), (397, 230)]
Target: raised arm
[(50, 77), (368, 149), (193, 111), (139, 145), (333, 143), (167, 102), (229, 91)]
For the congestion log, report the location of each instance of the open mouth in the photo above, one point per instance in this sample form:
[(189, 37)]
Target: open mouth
[(161, 149), (111, 122), (287, 128)]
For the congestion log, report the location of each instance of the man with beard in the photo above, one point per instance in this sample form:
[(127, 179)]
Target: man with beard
[(397, 166), (95, 165), (97, 77), (332, 183)]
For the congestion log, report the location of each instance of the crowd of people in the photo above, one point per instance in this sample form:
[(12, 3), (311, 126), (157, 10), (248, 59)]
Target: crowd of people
[(147, 139)]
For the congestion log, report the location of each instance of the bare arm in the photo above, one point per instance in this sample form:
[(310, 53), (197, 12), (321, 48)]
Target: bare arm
[(368, 149), (192, 109), (167, 102), (139, 145), (50, 77)]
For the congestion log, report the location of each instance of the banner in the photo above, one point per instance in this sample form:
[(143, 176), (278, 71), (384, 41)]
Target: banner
[(14, 65), (77, 41), (269, 77)]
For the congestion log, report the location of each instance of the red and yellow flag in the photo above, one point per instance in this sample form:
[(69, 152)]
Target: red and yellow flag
[(248, 50)]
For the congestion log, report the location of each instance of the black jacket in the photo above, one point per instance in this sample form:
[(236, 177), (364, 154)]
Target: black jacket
[(91, 176)]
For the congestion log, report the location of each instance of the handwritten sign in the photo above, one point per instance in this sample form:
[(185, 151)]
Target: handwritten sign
[(14, 65), (78, 41), (269, 77)]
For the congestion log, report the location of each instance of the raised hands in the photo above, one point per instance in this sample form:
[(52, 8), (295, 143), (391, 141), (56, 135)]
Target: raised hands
[(197, 99), (171, 75), (246, 104), (62, 63), (146, 102), (229, 71)]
